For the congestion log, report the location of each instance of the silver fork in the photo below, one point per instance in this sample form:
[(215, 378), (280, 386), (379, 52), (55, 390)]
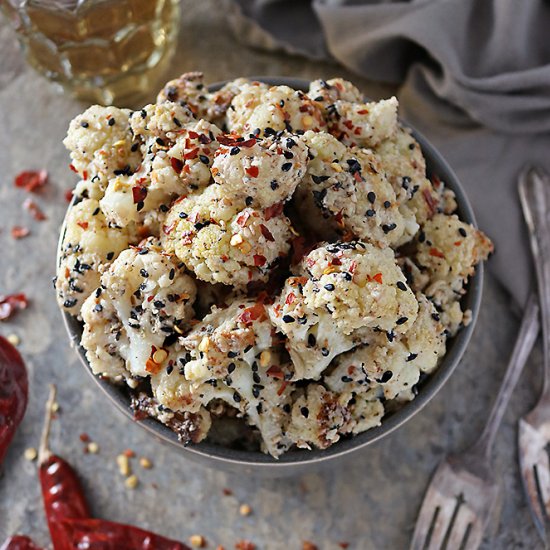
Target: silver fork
[(534, 428), (463, 492)]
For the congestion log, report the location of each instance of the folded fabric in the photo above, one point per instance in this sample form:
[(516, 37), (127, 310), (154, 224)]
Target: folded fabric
[(475, 79)]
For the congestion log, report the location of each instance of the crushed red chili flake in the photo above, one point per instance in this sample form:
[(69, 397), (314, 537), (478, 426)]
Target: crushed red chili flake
[(191, 154), (167, 229), (31, 180), (84, 437), (430, 201), (253, 313), (252, 171), (437, 253), (10, 303), (242, 219), (266, 233), (343, 545), (274, 210), (275, 372), (73, 168), (69, 195), (19, 232), (129, 453), (139, 193), (84, 225), (245, 545), (259, 260), (227, 492), (348, 124), (177, 164), (378, 278), (192, 135), (307, 545), (282, 387), (290, 298), (232, 140), (34, 209)]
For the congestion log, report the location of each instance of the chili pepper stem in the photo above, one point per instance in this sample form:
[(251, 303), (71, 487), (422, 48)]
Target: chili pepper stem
[(44, 452)]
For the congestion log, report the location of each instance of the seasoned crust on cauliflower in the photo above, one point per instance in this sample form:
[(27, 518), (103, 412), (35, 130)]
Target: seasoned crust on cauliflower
[(256, 109), (134, 318), (101, 145), (89, 246), (266, 170), (223, 241), (328, 92), (362, 124), (346, 193)]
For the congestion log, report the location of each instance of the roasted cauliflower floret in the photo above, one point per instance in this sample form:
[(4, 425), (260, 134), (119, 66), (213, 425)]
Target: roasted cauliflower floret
[(223, 241), (158, 123), (362, 124), (278, 108), (188, 90), (347, 188), (266, 170), (101, 146), (134, 318), (220, 100), (89, 246), (329, 91)]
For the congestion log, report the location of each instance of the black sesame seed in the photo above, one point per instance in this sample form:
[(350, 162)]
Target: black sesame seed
[(84, 124), (401, 285), (234, 151), (319, 179), (143, 113), (324, 352), (304, 411), (371, 196), (412, 356), (462, 231), (95, 212), (290, 143), (248, 348), (204, 159), (230, 367), (288, 319), (435, 316), (311, 340), (386, 228), (111, 122), (287, 408), (387, 204), (256, 377), (69, 303), (390, 336), (401, 320), (386, 377), (411, 146), (169, 369), (182, 215), (143, 273), (329, 287), (98, 307), (286, 166), (140, 206), (160, 141), (421, 236), (282, 103), (237, 397), (319, 98), (159, 304), (172, 274), (288, 155), (274, 185), (370, 213), (248, 201), (232, 354), (110, 255), (268, 131), (347, 276)]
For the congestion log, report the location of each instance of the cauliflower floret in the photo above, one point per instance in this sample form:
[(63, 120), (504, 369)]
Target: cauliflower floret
[(366, 413), (403, 163), (448, 251), (188, 90), (133, 320), (278, 108), (347, 188), (363, 124), (101, 146), (89, 246), (220, 101), (267, 170), (330, 91), (223, 241), (319, 417), (158, 123)]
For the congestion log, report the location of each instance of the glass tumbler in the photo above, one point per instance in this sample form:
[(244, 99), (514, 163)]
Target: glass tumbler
[(104, 51)]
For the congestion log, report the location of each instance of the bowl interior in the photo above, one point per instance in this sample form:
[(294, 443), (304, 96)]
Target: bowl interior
[(290, 462)]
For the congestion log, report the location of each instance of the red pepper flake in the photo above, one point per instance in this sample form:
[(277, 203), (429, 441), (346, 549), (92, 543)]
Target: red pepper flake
[(84, 225), (167, 229), (252, 171), (275, 372), (430, 201), (308, 545), (128, 453), (457, 243), (357, 176), (377, 278), (242, 219), (282, 388), (290, 298), (363, 112), (69, 195), (227, 492), (151, 366), (266, 233), (31, 180), (191, 154), (436, 182), (253, 313), (259, 260), (139, 193), (177, 165), (343, 545), (273, 210), (84, 437), (187, 237), (232, 140), (10, 303), (437, 253), (192, 135), (245, 545), (34, 209), (336, 261), (85, 175), (73, 168), (19, 232), (348, 124)]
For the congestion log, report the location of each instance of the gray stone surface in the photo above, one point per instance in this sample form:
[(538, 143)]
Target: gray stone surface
[(371, 503)]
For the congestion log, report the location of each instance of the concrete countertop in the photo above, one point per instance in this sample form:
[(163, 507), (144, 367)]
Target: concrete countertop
[(372, 503)]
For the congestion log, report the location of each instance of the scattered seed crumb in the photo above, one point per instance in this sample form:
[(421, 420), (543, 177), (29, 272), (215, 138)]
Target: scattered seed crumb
[(307, 545), (13, 339), (30, 454), (197, 541), (220, 547), (20, 232), (145, 463), (245, 510), (55, 407), (343, 545), (84, 437), (129, 453), (131, 482), (227, 492), (123, 465), (93, 448), (245, 545)]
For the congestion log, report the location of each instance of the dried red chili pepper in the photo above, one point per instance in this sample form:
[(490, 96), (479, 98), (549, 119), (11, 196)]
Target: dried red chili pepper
[(61, 490), (14, 389), (20, 542), (99, 534)]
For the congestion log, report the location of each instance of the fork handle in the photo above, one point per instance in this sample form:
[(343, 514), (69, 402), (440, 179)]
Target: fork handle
[(525, 341), (534, 194)]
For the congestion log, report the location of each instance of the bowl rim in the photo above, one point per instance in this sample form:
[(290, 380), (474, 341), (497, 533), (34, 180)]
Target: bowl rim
[(256, 461)]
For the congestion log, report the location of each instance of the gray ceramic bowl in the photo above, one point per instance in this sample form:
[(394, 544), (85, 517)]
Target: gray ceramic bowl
[(301, 461)]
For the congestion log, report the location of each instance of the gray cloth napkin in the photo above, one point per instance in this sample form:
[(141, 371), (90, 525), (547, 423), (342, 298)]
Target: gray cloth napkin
[(475, 80)]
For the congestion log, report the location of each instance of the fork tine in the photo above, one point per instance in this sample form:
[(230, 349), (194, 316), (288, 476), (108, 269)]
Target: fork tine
[(464, 524), (424, 521), (533, 456), (442, 523)]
